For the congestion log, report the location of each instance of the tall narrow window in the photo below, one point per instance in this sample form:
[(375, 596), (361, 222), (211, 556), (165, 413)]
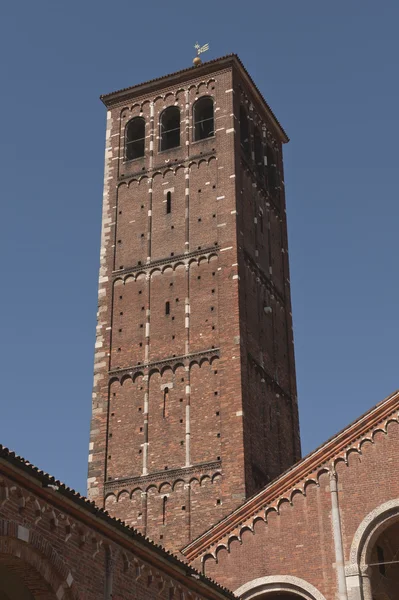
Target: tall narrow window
[(258, 149), (169, 128), (272, 175), (164, 503), (165, 400), (203, 118), (168, 203), (261, 222), (167, 307), (244, 131), (135, 138)]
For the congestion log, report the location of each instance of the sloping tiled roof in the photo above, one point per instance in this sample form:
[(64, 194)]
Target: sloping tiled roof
[(48, 481), (209, 66), (293, 476)]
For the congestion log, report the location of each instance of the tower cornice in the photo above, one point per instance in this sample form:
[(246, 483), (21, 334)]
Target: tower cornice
[(230, 61)]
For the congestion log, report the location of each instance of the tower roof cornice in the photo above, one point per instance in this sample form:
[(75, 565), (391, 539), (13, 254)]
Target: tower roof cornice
[(229, 61)]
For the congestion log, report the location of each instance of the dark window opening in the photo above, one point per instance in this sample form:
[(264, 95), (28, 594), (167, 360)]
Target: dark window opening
[(261, 222), (164, 502), (169, 128), (203, 119), (168, 203), (258, 149), (135, 138), (381, 560), (165, 397), (244, 131), (271, 169), (167, 308)]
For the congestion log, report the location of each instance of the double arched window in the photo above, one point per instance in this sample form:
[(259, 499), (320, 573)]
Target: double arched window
[(204, 122), (135, 138), (169, 128)]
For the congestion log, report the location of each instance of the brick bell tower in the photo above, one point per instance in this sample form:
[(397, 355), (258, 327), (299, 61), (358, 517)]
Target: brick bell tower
[(194, 401)]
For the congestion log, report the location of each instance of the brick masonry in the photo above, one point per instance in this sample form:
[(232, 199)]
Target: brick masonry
[(290, 534), (56, 545), (196, 409)]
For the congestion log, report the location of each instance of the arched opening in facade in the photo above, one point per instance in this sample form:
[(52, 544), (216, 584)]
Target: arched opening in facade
[(135, 138), (383, 563), (280, 596), (372, 572), (20, 581), (278, 587), (169, 128), (203, 118)]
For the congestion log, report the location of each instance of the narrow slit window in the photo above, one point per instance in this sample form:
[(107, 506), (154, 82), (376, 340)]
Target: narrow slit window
[(165, 401), (244, 131), (164, 503), (135, 138), (168, 203), (169, 128), (203, 118), (167, 307)]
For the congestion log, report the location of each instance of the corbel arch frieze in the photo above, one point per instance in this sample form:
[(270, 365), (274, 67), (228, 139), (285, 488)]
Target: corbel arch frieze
[(300, 487)]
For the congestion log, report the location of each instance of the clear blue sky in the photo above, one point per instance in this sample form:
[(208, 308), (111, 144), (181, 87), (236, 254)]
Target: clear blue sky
[(330, 72)]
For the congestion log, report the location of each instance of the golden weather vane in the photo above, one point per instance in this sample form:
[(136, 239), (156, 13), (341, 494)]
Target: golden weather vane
[(200, 49)]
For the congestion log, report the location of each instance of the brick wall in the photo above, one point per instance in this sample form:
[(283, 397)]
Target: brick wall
[(59, 547), (293, 535), (182, 430)]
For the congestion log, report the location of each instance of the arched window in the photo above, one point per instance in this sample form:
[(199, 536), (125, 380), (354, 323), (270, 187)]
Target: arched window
[(135, 138), (244, 131), (203, 118), (169, 128), (384, 563)]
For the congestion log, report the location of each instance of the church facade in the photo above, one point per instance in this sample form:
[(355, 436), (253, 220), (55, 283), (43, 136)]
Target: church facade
[(197, 489)]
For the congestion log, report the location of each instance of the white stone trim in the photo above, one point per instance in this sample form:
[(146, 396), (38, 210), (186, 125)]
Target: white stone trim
[(278, 583), (356, 569), (373, 521)]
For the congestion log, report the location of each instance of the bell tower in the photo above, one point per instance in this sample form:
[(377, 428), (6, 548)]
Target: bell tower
[(194, 400)]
